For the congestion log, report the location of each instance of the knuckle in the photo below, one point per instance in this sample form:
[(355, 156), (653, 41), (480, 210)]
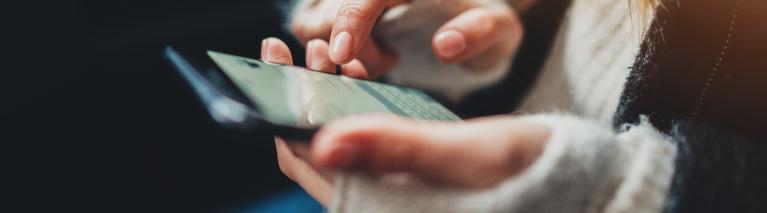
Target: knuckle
[(487, 25), (353, 10)]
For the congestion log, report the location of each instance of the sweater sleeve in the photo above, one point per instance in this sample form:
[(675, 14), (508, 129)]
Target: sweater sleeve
[(585, 167)]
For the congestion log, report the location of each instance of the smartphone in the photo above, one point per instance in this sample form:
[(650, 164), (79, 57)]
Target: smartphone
[(288, 101)]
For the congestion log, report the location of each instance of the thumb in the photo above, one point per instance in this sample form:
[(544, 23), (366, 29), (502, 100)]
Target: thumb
[(479, 38), (473, 154)]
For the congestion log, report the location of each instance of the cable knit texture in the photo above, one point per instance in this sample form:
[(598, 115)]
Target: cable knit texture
[(587, 68), (585, 167), (647, 176)]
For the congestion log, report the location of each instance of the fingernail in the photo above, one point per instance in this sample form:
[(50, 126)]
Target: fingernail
[(310, 54), (450, 44), (342, 47), (265, 49), (345, 155)]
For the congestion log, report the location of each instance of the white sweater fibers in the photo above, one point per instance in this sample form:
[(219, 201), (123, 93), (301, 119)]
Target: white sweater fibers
[(586, 166)]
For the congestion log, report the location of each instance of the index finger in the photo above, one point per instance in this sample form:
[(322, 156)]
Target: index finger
[(352, 27)]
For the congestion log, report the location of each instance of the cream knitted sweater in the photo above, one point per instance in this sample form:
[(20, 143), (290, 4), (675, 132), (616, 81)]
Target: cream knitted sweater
[(586, 166)]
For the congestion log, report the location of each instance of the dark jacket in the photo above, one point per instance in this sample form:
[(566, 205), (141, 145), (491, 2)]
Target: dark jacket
[(701, 77)]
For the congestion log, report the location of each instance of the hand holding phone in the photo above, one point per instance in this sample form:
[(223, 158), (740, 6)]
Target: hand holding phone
[(488, 150), (369, 143), (292, 102)]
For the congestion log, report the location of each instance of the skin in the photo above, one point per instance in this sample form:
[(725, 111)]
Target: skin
[(478, 39), (476, 154)]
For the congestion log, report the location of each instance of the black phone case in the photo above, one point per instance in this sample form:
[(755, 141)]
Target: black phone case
[(224, 102)]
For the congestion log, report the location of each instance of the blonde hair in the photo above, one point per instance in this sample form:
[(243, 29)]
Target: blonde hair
[(644, 5), (642, 10)]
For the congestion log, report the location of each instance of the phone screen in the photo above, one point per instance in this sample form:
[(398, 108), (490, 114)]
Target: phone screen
[(295, 96)]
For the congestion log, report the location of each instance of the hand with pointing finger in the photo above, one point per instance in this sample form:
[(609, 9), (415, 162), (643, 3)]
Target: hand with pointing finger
[(480, 35), (478, 153)]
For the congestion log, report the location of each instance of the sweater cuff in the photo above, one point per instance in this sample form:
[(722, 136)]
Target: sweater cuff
[(649, 172), (579, 171)]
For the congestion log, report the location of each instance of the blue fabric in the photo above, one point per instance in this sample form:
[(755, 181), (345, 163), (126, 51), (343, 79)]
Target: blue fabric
[(292, 200)]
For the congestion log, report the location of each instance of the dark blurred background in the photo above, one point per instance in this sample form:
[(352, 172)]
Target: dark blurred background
[(95, 119), (92, 118)]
